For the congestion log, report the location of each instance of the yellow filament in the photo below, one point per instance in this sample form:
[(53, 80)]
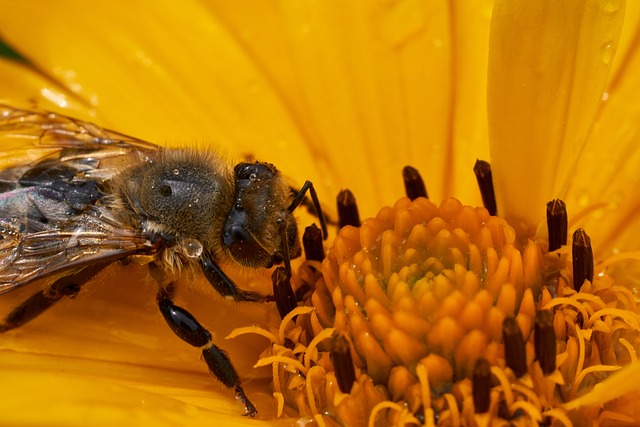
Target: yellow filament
[(615, 258), (453, 409), (581, 352), (568, 301), (252, 330), (319, 420), (506, 385), (311, 397), (618, 384), (289, 317), (586, 371), (630, 349), (326, 333), (630, 318), (532, 410), (558, 415), (279, 397), (386, 404), (275, 370), (423, 377), (281, 359), (531, 396), (596, 300)]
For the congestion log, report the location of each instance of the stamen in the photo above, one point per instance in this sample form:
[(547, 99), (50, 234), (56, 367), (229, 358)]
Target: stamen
[(557, 224), (481, 386), (312, 243), (342, 363), (514, 350), (282, 292), (482, 170), (347, 209), (582, 259), (413, 184), (545, 341)]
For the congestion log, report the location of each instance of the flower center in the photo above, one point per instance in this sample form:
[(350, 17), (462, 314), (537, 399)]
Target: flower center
[(432, 314)]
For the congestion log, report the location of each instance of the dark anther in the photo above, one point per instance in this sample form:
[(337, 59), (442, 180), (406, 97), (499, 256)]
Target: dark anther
[(482, 170), (347, 209), (413, 183), (481, 386), (282, 291), (556, 224), (514, 351), (582, 259), (312, 243), (544, 340), (342, 363)]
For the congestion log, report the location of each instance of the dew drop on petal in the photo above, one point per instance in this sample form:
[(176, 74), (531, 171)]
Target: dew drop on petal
[(606, 52)]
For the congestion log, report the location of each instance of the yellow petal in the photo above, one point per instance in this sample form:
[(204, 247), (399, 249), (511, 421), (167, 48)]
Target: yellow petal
[(21, 84), (603, 195), (377, 85), (548, 65)]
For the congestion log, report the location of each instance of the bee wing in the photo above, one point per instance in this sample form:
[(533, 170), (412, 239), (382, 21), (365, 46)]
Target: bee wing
[(30, 136), (91, 238), (54, 214)]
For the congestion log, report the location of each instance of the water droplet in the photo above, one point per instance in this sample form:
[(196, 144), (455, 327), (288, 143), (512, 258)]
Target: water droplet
[(176, 172), (606, 52), (605, 96), (437, 42), (192, 247)]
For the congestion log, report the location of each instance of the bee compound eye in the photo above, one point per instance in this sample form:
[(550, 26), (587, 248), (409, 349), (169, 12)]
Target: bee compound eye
[(192, 247)]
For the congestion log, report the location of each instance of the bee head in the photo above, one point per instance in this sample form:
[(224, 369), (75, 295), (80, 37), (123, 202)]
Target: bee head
[(259, 219)]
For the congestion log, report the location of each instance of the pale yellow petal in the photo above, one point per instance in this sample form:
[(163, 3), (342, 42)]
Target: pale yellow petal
[(603, 195), (548, 65), (378, 85), (111, 342), (21, 84)]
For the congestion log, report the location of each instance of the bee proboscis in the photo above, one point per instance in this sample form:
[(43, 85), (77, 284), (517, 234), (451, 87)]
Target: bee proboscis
[(93, 197)]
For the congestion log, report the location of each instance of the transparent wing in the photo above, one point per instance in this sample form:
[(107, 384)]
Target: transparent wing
[(87, 239), (56, 213)]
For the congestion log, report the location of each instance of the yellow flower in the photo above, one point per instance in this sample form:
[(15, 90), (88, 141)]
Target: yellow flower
[(343, 94)]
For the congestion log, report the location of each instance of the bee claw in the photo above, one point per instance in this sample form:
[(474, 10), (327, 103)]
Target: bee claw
[(249, 408)]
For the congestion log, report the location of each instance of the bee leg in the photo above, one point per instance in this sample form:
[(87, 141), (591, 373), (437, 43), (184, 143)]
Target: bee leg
[(187, 328), (300, 199), (39, 302), (224, 285)]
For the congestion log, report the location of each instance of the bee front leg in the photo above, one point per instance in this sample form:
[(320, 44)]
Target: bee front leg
[(38, 303), (224, 285), (187, 328)]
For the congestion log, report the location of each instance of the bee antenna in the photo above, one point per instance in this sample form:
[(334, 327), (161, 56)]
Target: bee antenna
[(299, 197)]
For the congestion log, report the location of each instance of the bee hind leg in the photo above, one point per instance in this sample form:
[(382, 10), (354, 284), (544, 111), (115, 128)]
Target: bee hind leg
[(187, 328), (36, 304)]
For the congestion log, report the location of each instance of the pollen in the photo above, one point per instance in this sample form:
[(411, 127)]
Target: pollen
[(438, 315)]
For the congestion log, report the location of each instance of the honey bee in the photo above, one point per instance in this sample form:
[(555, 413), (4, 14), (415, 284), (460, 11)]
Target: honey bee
[(93, 196)]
